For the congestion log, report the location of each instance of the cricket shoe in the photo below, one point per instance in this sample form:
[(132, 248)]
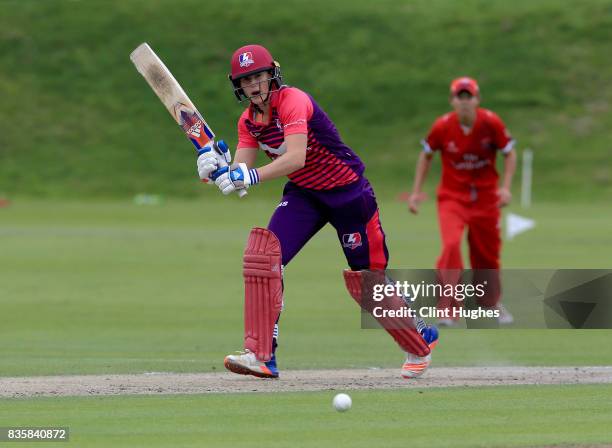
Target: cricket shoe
[(415, 365), (245, 363), (505, 317)]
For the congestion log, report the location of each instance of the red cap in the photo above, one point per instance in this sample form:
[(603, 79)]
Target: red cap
[(250, 59), (464, 83)]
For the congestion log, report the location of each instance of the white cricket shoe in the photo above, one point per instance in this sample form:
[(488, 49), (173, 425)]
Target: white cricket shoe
[(246, 363), (505, 317), (415, 365)]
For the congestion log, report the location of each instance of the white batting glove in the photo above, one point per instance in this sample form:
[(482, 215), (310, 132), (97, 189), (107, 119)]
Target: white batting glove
[(235, 178), (211, 157)]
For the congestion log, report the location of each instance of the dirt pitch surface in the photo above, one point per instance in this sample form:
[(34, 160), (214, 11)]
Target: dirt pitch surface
[(296, 380)]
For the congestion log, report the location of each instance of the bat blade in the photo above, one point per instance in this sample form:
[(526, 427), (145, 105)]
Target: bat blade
[(172, 95)]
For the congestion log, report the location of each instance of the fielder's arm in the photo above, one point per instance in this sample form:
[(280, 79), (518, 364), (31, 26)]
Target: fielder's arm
[(504, 193), (422, 168)]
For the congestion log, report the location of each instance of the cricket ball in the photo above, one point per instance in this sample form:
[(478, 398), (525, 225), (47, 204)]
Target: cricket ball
[(342, 402)]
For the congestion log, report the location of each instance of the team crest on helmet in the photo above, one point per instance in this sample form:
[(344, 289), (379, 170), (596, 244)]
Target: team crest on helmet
[(246, 59), (351, 240)]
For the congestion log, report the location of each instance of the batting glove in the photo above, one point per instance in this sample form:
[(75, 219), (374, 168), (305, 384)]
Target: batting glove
[(211, 157), (235, 178)]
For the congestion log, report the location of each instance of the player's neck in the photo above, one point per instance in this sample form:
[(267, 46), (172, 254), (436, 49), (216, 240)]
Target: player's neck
[(467, 120), (261, 113)]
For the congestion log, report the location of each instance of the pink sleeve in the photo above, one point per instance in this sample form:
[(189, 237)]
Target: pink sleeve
[(294, 110), (501, 137), (245, 139)]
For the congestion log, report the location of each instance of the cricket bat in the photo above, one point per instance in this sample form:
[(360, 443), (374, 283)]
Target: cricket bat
[(170, 92)]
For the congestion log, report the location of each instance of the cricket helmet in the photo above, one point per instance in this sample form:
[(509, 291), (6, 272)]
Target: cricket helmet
[(249, 60)]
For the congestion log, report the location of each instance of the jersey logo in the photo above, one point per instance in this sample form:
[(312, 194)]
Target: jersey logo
[(351, 240), (471, 162), (246, 59), (451, 147)]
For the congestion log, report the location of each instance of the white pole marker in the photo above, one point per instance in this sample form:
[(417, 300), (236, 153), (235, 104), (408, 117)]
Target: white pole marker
[(527, 173)]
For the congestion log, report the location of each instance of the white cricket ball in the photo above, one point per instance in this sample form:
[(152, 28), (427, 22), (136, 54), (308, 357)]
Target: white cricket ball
[(342, 402)]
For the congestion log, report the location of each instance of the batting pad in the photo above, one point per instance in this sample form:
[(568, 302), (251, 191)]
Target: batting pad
[(263, 291), (360, 285)]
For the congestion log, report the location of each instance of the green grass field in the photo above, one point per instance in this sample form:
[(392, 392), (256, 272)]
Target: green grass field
[(380, 69), (111, 287), (475, 417)]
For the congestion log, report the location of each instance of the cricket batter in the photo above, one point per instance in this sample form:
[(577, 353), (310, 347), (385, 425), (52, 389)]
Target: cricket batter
[(326, 185), (469, 195)]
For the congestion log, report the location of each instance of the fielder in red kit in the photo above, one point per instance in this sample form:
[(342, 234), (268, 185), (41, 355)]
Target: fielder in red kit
[(469, 194)]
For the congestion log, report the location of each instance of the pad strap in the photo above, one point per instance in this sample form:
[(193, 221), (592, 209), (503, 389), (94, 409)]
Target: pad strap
[(360, 286)]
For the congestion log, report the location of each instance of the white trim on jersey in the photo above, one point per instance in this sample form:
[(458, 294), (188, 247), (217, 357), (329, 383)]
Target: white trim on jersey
[(509, 147), (282, 149), (426, 148)]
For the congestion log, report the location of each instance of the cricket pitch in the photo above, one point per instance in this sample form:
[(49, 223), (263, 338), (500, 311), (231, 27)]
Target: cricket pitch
[(296, 380)]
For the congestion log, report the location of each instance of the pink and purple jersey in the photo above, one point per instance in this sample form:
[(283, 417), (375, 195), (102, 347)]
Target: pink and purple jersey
[(329, 162)]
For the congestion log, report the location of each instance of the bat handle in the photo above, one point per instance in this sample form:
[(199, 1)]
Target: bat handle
[(224, 150)]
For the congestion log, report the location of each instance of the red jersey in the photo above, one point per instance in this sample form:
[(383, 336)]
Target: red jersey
[(329, 162), (468, 155)]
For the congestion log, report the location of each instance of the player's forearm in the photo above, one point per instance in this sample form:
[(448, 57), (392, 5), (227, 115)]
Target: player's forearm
[(292, 160), (509, 168), (422, 169), (246, 155), (282, 166)]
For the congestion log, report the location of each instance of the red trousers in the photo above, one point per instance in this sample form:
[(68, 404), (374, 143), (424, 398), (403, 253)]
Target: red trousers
[(482, 220)]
